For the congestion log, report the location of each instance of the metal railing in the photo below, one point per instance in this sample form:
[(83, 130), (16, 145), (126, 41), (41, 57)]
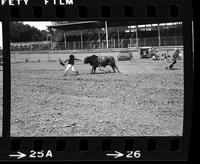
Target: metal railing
[(123, 43), (96, 44)]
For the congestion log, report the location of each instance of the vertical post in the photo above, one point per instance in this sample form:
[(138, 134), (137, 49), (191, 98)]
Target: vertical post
[(159, 35), (51, 41), (106, 27), (136, 35), (99, 37), (65, 40), (175, 41), (74, 45), (81, 40), (118, 38)]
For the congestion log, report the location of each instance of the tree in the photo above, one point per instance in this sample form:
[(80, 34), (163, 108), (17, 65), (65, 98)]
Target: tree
[(25, 33)]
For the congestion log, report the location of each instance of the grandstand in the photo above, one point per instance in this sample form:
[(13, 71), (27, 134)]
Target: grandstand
[(101, 35)]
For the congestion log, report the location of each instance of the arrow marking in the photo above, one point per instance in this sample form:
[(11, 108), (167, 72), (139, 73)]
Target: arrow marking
[(117, 155), (19, 155)]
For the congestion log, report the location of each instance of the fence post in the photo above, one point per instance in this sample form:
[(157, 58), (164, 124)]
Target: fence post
[(106, 27), (118, 38), (81, 40), (136, 35), (99, 35), (175, 41), (65, 40), (159, 35), (74, 45)]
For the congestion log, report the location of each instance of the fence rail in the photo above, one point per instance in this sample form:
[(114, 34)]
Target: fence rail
[(122, 43)]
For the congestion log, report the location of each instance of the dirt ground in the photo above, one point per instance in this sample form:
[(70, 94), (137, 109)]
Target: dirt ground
[(143, 100)]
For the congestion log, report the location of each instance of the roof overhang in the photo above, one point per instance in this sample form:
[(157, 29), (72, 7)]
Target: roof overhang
[(101, 24), (76, 25)]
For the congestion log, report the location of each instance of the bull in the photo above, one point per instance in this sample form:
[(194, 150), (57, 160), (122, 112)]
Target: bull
[(100, 61)]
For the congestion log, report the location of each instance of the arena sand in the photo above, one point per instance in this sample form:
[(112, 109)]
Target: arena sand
[(143, 100)]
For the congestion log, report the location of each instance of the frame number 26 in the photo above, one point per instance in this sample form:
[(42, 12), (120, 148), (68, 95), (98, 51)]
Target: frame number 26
[(133, 154)]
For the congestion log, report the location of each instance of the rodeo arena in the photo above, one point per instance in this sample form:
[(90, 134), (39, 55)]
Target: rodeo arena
[(100, 78)]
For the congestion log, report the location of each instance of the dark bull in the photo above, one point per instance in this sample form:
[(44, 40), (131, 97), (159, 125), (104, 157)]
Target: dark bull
[(100, 61)]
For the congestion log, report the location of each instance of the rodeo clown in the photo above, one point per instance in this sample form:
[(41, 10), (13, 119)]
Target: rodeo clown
[(177, 54), (70, 64)]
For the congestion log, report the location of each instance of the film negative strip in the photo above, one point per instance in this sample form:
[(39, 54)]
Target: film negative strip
[(96, 80)]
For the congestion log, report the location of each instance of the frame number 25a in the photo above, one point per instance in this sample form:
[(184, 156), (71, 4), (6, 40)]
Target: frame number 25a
[(41, 154)]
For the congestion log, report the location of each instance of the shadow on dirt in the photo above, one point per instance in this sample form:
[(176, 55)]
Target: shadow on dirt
[(173, 69), (97, 73)]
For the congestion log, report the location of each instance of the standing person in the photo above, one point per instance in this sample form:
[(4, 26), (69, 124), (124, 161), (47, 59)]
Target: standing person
[(71, 64), (173, 61)]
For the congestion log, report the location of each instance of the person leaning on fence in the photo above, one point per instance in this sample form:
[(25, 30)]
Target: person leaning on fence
[(71, 64), (173, 61)]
